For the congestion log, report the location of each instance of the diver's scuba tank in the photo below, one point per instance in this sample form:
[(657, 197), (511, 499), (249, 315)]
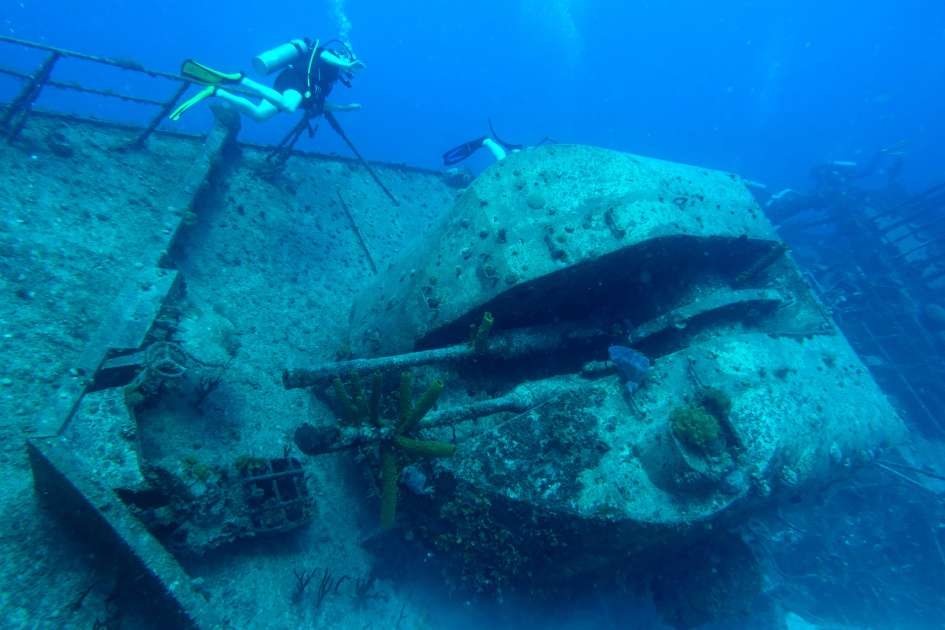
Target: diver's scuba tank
[(279, 57)]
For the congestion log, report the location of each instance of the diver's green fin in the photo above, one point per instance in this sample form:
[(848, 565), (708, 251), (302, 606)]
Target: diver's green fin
[(200, 73), (206, 92)]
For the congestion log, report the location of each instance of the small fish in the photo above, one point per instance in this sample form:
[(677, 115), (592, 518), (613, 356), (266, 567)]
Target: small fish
[(415, 481), (632, 366)]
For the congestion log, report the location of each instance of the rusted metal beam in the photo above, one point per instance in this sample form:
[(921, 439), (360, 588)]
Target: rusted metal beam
[(181, 200), (65, 485), (123, 327)]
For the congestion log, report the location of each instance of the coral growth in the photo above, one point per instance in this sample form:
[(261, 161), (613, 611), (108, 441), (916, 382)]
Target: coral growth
[(699, 425), (695, 427), (479, 334), (401, 442)]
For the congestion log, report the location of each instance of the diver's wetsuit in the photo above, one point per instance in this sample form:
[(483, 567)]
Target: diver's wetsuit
[(323, 80)]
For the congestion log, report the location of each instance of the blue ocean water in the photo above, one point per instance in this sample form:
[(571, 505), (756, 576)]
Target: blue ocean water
[(842, 102), (765, 89)]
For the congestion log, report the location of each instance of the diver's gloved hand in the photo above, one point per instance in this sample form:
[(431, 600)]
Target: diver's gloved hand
[(342, 107), (342, 61), (355, 65)]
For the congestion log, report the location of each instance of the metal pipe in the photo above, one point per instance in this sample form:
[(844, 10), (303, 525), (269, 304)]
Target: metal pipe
[(504, 345), (341, 132), (357, 232), (300, 377), (87, 90), (64, 85), (117, 63)]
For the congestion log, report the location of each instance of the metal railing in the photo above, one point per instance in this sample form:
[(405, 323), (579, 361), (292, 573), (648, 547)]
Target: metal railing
[(876, 278), (15, 115)]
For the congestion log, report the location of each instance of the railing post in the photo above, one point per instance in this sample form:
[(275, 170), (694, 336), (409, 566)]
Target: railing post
[(22, 104), (166, 109)]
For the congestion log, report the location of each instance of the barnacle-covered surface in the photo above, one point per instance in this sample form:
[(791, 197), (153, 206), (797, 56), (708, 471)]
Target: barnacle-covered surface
[(528, 237), (608, 477), (752, 392)]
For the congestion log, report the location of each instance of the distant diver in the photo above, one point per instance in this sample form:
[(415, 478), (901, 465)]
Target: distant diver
[(836, 183), (496, 146), (309, 71), (840, 174)]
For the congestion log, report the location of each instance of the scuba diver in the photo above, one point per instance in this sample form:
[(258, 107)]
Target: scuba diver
[(309, 72), (460, 177), (497, 147), (838, 184)]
